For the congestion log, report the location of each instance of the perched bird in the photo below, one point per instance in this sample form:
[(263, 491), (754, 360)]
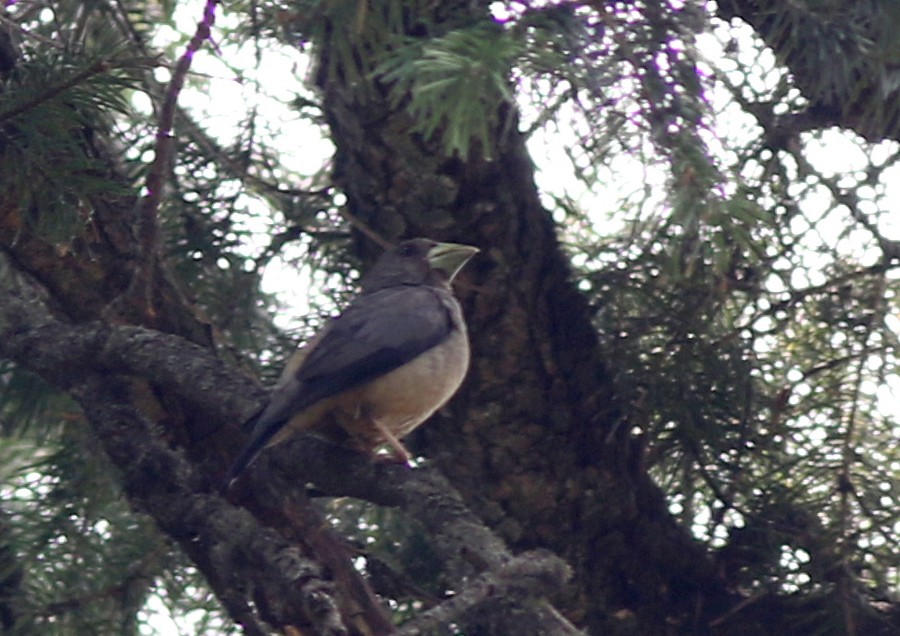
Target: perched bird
[(394, 356)]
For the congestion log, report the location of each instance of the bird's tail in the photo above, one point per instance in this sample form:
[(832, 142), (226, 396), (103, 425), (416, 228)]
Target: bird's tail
[(248, 453), (269, 430)]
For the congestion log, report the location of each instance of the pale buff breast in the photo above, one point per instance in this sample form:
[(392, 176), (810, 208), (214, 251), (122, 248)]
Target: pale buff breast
[(435, 376)]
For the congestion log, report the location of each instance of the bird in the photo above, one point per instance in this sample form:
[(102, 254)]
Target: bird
[(396, 354)]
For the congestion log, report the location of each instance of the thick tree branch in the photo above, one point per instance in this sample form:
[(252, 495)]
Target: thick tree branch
[(161, 482), (462, 540), (521, 580), (94, 364), (105, 367), (31, 335)]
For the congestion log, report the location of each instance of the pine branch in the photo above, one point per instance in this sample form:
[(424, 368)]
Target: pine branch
[(93, 368), (29, 335), (97, 68), (459, 536), (148, 227), (527, 576)]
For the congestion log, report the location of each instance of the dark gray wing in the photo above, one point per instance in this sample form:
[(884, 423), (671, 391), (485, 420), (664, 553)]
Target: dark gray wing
[(376, 334)]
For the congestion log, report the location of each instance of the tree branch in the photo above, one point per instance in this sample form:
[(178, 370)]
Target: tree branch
[(288, 582), (461, 539), (524, 578), (98, 364), (93, 361), (32, 336), (147, 228)]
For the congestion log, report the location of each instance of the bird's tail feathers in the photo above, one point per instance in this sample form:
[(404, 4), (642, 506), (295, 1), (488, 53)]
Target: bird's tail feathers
[(268, 432), (259, 441)]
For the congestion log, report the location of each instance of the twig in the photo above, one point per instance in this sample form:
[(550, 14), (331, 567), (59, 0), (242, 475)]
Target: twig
[(750, 600), (148, 229), (361, 225), (198, 136)]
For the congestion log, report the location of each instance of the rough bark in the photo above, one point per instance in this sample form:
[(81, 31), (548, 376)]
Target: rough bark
[(139, 389), (534, 445), (533, 441), (282, 556)]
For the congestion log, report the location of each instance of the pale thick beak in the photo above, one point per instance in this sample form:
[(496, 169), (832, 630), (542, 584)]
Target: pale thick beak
[(450, 257)]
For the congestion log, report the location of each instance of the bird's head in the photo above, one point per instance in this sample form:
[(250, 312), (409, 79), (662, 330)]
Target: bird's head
[(417, 262)]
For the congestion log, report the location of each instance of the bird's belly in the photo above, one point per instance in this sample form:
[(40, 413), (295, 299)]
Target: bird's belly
[(405, 397)]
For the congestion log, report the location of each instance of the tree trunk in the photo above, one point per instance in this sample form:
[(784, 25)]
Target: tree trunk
[(533, 440), (535, 444)]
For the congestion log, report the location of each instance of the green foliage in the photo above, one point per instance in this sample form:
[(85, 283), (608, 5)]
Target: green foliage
[(745, 301), (27, 401), (751, 341), (49, 110), (450, 81), (88, 564), (452, 85), (842, 54)]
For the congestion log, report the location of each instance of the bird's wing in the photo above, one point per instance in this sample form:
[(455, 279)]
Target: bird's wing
[(376, 334)]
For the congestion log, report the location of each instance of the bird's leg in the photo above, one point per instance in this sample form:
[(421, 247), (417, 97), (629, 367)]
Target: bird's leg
[(400, 450)]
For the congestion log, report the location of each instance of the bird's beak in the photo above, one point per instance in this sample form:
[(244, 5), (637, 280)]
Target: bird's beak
[(450, 257)]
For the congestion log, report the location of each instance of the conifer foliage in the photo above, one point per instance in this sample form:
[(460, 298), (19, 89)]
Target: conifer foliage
[(681, 414)]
